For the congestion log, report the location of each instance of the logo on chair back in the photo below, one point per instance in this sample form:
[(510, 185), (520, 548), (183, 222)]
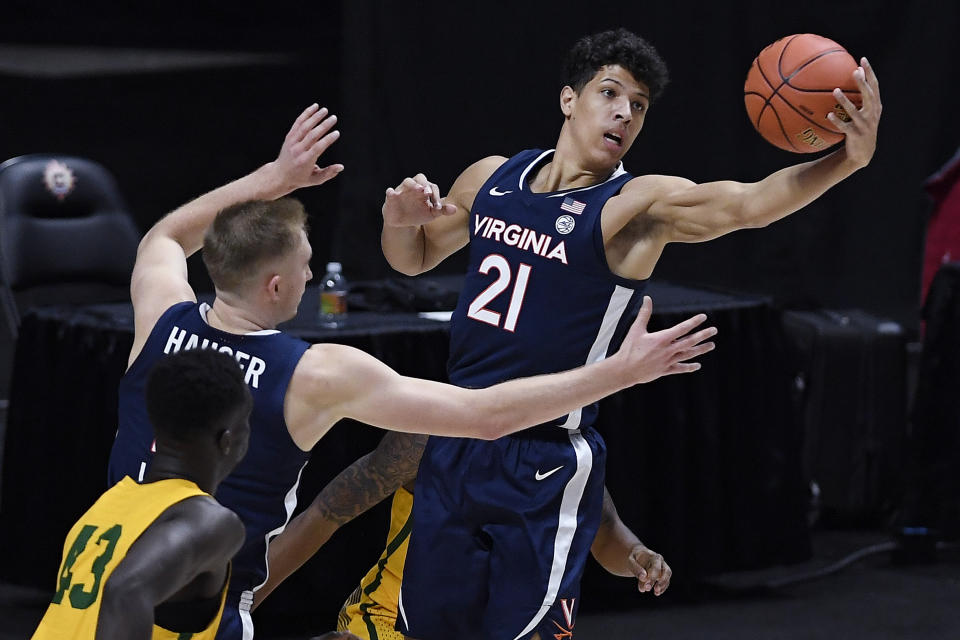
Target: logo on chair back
[(58, 178)]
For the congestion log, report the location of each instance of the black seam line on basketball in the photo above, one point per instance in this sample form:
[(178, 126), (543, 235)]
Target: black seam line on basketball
[(776, 92), (786, 81), (766, 102), (784, 131)]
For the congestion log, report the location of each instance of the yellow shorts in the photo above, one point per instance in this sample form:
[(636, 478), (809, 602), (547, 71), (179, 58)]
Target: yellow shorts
[(371, 610)]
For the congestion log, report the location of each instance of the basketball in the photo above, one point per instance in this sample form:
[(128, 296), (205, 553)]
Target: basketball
[(789, 92)]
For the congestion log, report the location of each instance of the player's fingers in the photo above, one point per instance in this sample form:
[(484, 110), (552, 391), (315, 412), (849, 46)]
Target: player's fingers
[(421, 180), (306, 113), (323, 144), (846, 103), (682, 367), (685, 327), (309, 123), (663, 582), (694, 352), (656, 567), (870, 74), (853, 114), (688, 341), (645, 581), (448, 209), (409, 184), (435, 196), (321, 175), (692, 347), (643, 316), (867, 95), (319, 129)]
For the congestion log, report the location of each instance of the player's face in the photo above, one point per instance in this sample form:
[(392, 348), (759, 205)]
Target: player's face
[(607, 115)]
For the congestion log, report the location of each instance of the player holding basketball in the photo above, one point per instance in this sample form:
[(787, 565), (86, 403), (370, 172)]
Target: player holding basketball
[(257, 253), (561, 244)]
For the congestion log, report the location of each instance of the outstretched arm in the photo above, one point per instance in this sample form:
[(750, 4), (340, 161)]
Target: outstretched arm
[(621, 553), (193, 537), (159, 277), (682, 211), (333, 382), (356, 489)]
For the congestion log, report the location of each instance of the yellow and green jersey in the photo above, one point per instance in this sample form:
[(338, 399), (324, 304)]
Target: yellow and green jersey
[(97, 543)]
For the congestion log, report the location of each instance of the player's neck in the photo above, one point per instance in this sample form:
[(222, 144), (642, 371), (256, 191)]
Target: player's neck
[(231, 315), (566, 171), (166, 467)]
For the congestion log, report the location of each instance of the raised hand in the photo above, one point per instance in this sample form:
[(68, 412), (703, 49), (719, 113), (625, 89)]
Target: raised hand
[(312, 133), (651, 570), (663, 353), (414, 202), (861, 129)]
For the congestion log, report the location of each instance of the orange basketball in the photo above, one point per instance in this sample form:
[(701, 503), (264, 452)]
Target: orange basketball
[(789, 91)]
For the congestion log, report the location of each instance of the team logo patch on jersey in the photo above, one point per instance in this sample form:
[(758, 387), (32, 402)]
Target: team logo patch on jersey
[(573, 206), (58, 178), (565, 224)]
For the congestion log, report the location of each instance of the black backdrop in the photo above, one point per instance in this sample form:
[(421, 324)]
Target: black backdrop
[(432, 86)]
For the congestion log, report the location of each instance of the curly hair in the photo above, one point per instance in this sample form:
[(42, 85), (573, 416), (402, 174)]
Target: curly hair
[(190, 393), (621, 47)]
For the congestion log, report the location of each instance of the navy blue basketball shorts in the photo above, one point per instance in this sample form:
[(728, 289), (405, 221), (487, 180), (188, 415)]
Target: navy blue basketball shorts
[(501, 534), (236, 623)]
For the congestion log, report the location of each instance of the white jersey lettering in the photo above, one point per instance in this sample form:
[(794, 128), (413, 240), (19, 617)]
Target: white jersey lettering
[(520, 237), (252, 366), (252, 376), (175, 341)]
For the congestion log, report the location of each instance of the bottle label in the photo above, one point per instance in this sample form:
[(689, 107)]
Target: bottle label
[(333, 302)]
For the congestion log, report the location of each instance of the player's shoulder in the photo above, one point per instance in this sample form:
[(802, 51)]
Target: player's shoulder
[(205, 517), (491, 163), (656, 184), (480, 171), (323, 363), (640, 197)]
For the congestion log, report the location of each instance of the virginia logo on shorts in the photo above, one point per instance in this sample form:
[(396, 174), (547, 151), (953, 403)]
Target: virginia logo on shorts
[(58, 178), (565, 632)]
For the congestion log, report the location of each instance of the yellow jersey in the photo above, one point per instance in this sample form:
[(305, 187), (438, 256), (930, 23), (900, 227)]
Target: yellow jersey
[(95, 546), (371, 610)]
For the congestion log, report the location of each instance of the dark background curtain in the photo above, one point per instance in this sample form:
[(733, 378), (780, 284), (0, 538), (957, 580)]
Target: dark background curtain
[(433, 86)]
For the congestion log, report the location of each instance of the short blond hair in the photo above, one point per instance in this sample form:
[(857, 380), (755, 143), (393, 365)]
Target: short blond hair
[(246, 235)]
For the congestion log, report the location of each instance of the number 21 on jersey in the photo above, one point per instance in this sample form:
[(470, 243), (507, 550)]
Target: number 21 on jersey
[(478, 308)]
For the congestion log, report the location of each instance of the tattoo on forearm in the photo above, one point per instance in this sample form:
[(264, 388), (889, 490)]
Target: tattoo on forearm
[(373, 477)]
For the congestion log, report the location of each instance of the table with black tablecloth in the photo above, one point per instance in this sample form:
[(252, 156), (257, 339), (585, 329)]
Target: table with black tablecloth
[(704, 467)]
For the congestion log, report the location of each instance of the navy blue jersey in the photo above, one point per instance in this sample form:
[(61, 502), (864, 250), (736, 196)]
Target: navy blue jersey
[(539, 296), (262, 488)]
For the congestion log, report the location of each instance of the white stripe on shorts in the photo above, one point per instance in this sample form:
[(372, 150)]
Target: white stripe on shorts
[(569, 505), (611, 318), (246, 622)]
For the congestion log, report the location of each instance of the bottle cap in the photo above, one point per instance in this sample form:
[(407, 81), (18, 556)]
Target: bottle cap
[(334, 267)]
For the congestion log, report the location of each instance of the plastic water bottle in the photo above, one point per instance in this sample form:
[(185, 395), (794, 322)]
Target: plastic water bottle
[(333, 297)]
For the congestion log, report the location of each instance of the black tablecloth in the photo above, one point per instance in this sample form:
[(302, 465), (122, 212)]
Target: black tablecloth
[(704, 467)]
